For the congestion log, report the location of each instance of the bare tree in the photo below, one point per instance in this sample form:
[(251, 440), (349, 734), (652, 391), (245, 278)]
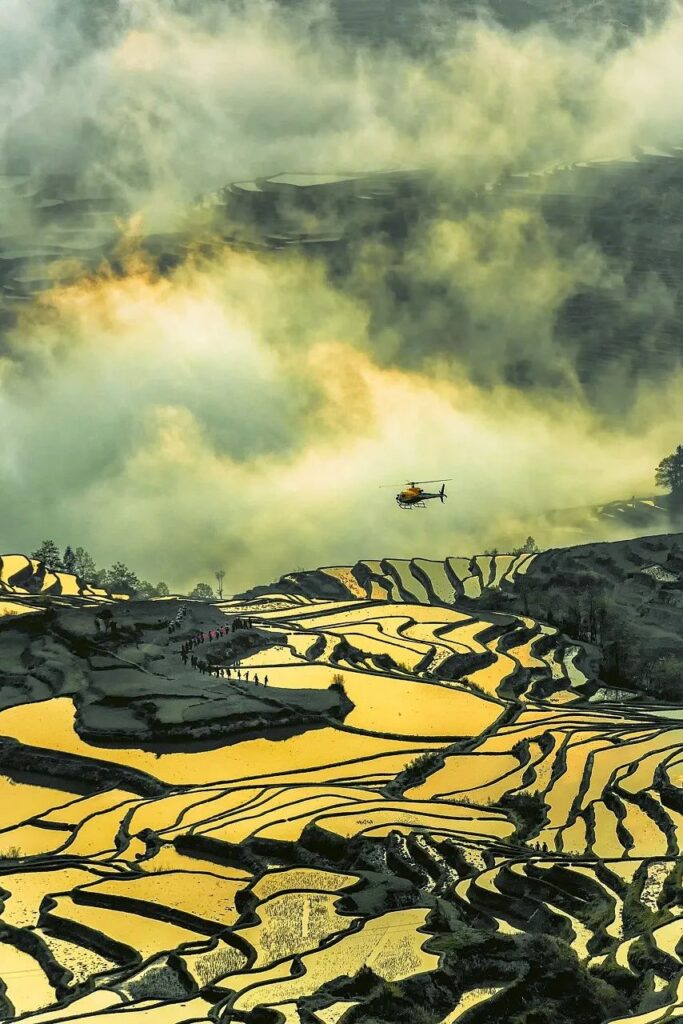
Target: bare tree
[(220, 576)]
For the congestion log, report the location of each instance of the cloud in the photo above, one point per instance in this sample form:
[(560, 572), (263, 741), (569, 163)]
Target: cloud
[(241, 409), (162, 100), (179, 430)]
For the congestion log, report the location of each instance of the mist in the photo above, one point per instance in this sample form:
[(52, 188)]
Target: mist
[(242, 408)]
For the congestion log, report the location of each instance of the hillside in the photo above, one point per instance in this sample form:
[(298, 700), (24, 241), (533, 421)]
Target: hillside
[(23, 576), (371, 19), (620, 599), (443, 806), (627, 210)]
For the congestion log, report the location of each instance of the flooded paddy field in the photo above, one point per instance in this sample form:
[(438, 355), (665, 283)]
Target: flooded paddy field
[(357, 804)]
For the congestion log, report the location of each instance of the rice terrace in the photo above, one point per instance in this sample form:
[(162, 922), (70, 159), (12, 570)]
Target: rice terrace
[(341, 365), (437, 808)]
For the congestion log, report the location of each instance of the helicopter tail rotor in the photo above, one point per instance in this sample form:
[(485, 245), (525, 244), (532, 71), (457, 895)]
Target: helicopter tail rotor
[(442, 493)]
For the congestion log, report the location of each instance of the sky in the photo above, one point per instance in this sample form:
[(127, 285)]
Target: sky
[(243, 409)]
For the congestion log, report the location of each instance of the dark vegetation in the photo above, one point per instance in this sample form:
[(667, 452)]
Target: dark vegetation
[(624, 603), (539, 978), (118, 578), (527, 812), (669, 474)]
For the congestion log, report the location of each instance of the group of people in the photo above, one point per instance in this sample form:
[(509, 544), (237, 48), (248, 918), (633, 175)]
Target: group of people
[(240, 622), (203, 666), (225, 672), (203, 638), (177, 619), (217, 633)]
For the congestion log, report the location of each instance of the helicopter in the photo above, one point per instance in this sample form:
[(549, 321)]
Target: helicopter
[(414, 496)]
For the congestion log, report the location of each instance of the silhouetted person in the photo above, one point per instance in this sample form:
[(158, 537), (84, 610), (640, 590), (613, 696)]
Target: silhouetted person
[(256, 678), (265, 681)]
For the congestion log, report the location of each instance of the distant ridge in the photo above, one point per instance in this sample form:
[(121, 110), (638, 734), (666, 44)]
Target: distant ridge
[(643, 560)]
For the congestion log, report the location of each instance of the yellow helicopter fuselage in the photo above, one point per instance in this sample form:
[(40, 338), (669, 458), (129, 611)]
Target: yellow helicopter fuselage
[(411, 494)]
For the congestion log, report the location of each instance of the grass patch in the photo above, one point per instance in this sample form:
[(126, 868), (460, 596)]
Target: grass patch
[(11, 853)]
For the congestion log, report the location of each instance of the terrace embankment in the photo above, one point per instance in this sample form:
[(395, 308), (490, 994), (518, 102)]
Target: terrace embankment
[(433, 808)]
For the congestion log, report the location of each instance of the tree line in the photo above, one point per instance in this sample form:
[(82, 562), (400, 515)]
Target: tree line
[(118, 578)]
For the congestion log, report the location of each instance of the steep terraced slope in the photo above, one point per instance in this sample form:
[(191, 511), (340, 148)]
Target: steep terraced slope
[(397, 808), (22, 576)]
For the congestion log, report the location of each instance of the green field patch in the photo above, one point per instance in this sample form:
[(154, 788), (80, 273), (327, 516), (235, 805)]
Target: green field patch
[(294, 922), (391, 946)]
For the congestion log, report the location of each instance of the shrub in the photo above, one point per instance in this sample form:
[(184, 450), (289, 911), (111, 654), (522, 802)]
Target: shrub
[(527, 811), (475, 687), (11, 853), (663, 678)]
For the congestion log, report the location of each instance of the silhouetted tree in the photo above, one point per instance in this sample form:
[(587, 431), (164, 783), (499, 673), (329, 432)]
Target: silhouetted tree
[(529, 547), (85, 565), (48, 553), (669, 473), (69, 559), (146, 589), (121, 580), (203, 592), (220, 576)]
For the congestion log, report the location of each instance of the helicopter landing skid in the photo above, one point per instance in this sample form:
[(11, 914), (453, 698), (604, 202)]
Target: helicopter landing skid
[(411, 504)]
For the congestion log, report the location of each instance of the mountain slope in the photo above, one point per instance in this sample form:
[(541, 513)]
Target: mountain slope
[(434, 809), (22, 576)]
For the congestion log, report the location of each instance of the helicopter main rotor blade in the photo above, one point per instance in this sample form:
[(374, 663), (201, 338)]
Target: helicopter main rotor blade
[(409, 483)]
